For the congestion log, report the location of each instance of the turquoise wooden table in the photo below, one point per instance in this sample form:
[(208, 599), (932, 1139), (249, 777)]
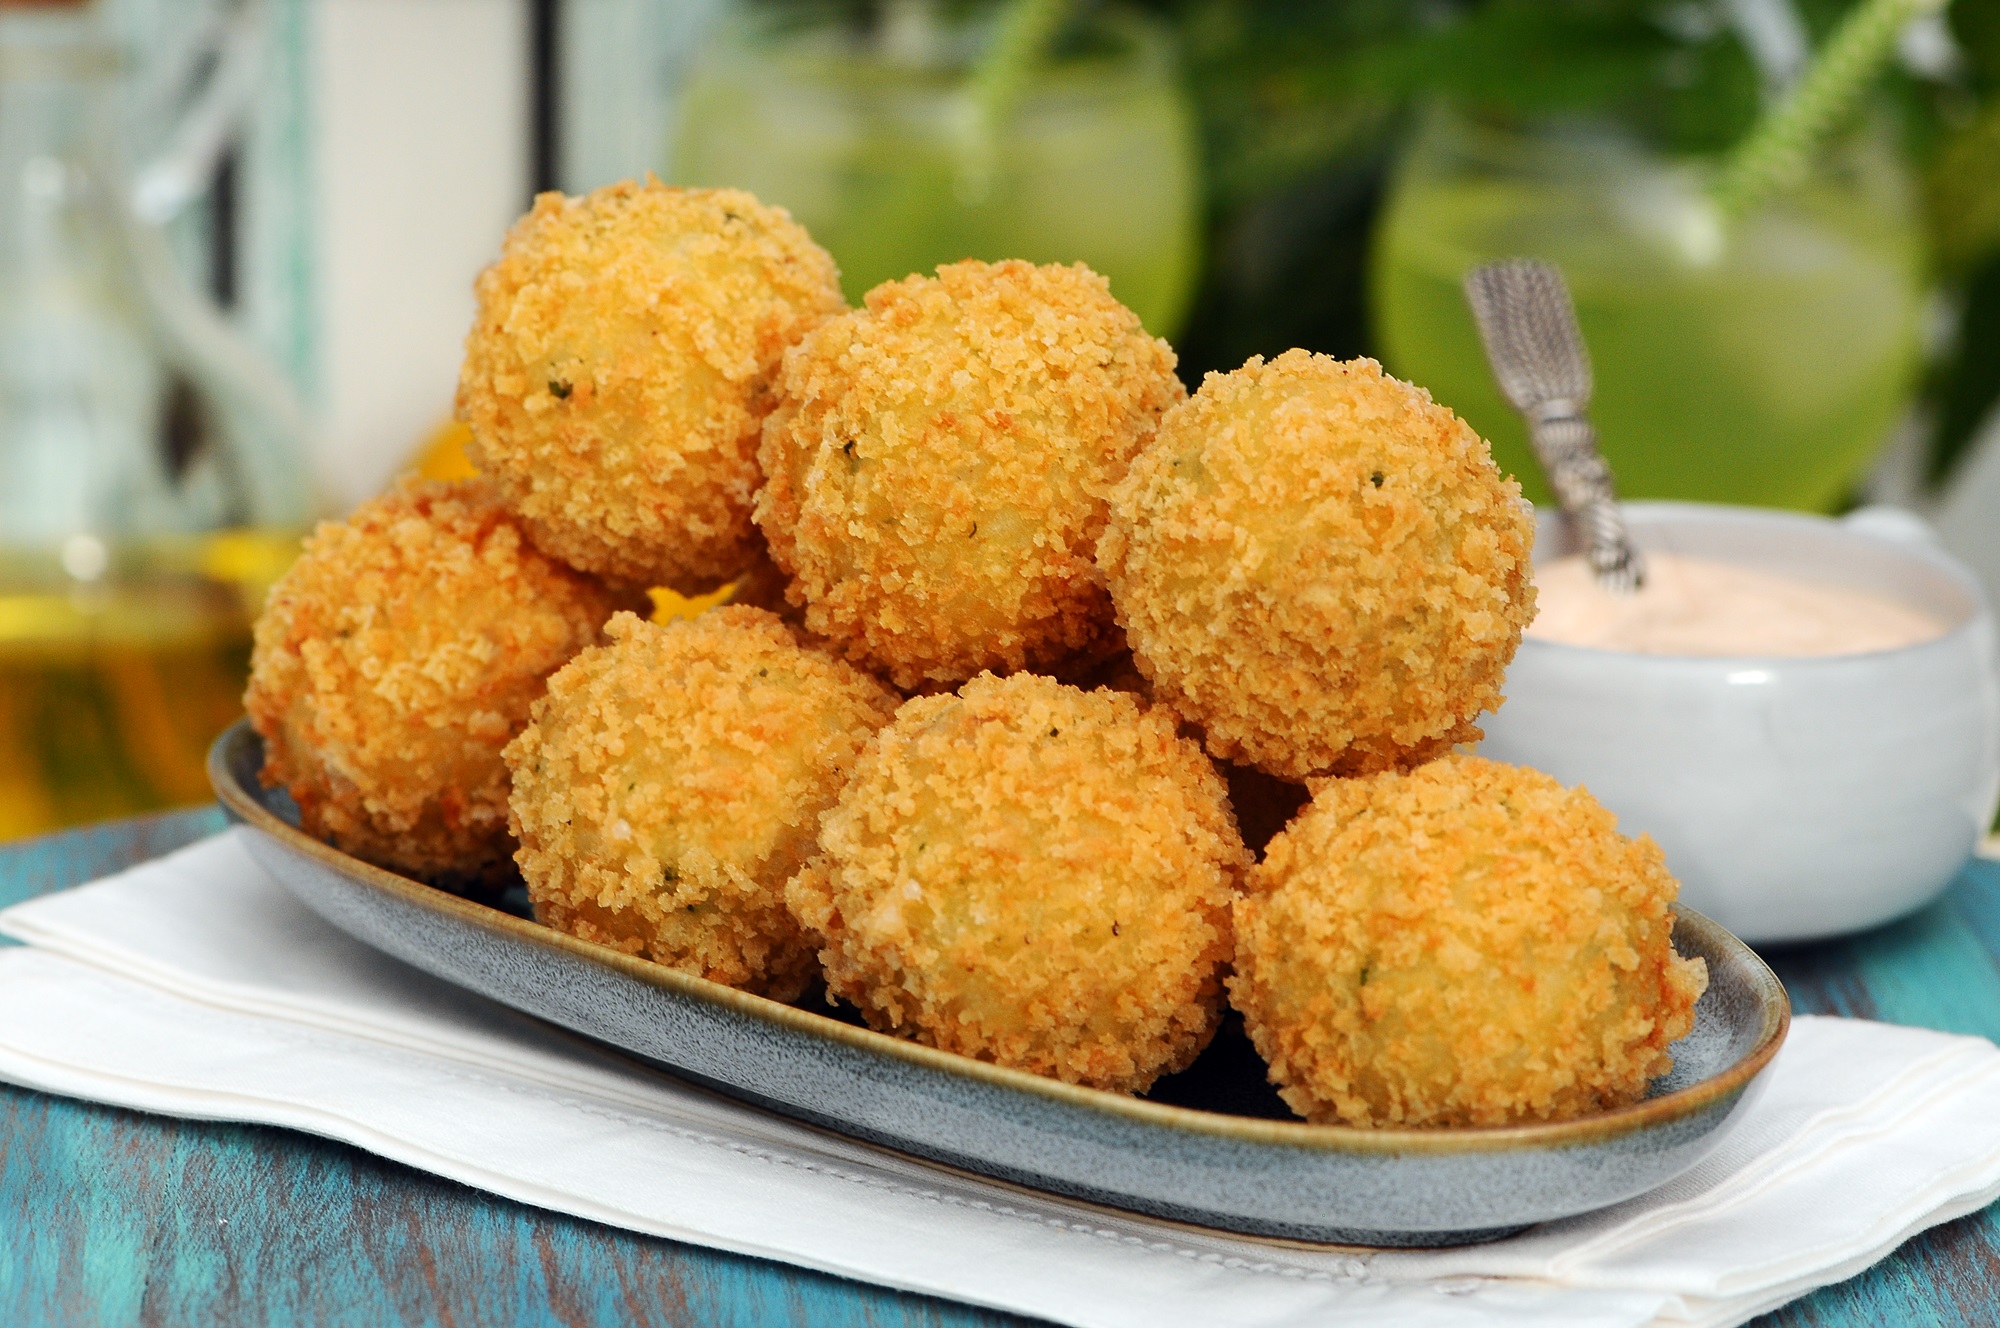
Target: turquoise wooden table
[(113, 1217)]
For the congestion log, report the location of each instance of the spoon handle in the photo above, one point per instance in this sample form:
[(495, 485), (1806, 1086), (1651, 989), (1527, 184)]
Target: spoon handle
[(1566, 445), (1528, 326)]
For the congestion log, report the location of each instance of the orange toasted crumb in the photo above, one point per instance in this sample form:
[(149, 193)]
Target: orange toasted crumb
[(620, 367), (1467, 944), (938, 464), (672, 780), (1321, 567), (397, 657), (1031, 875)]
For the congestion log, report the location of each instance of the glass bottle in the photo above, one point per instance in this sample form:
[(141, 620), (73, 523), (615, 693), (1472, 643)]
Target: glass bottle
[(152, 472)]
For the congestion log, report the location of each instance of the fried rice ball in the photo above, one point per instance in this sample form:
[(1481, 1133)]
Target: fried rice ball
[(1032, 875), (1470, 943), (620, 367), (396, 658), (672, 780), (1321, 567), (938, 464)]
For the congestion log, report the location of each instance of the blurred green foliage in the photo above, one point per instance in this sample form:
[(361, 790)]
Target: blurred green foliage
[(1302, 103), (1963, 187)]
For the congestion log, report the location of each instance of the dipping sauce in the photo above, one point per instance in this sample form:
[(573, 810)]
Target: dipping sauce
[(1692, 606)]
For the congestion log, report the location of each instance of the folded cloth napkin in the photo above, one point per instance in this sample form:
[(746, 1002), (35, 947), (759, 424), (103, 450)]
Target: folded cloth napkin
[(195, 986)]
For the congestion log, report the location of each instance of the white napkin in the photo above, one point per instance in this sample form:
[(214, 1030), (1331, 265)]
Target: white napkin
[(194, 986)]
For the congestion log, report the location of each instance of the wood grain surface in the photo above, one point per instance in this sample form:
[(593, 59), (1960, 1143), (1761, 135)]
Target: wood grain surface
[(113, 1217)]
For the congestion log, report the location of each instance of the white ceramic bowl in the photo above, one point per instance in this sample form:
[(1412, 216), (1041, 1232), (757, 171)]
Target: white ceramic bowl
[(1795, 798)]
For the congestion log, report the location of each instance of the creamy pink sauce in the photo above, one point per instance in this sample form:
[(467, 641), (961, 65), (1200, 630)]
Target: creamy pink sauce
[(1691, 606)]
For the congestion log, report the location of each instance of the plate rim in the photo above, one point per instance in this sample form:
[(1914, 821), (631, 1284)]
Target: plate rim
[(1774, 1004)]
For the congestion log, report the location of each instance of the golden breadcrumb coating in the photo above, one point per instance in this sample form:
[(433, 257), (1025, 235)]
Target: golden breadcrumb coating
[(620, 367), (397, 657), (1321, 567), (1034, 876), (1467, 944), (673, 779), (938, 463)]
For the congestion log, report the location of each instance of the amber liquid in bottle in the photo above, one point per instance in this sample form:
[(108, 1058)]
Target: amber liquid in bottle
[(111, 693), (152, 468)]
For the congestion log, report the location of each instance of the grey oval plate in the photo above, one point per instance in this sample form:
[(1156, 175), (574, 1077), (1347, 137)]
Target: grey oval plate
[(1261, 1176)]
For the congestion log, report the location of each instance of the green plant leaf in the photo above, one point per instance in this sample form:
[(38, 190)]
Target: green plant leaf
[(1963, 188), (1968, 384)]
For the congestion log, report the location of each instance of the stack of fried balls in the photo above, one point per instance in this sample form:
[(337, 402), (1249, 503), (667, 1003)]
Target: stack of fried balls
[(1013, 615)]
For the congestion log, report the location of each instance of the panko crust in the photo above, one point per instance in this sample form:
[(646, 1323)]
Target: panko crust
[(396, 658), (938, 464), (672, 780), (1321, 567), (1031, 875), (1467, 944), (620, 367)]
